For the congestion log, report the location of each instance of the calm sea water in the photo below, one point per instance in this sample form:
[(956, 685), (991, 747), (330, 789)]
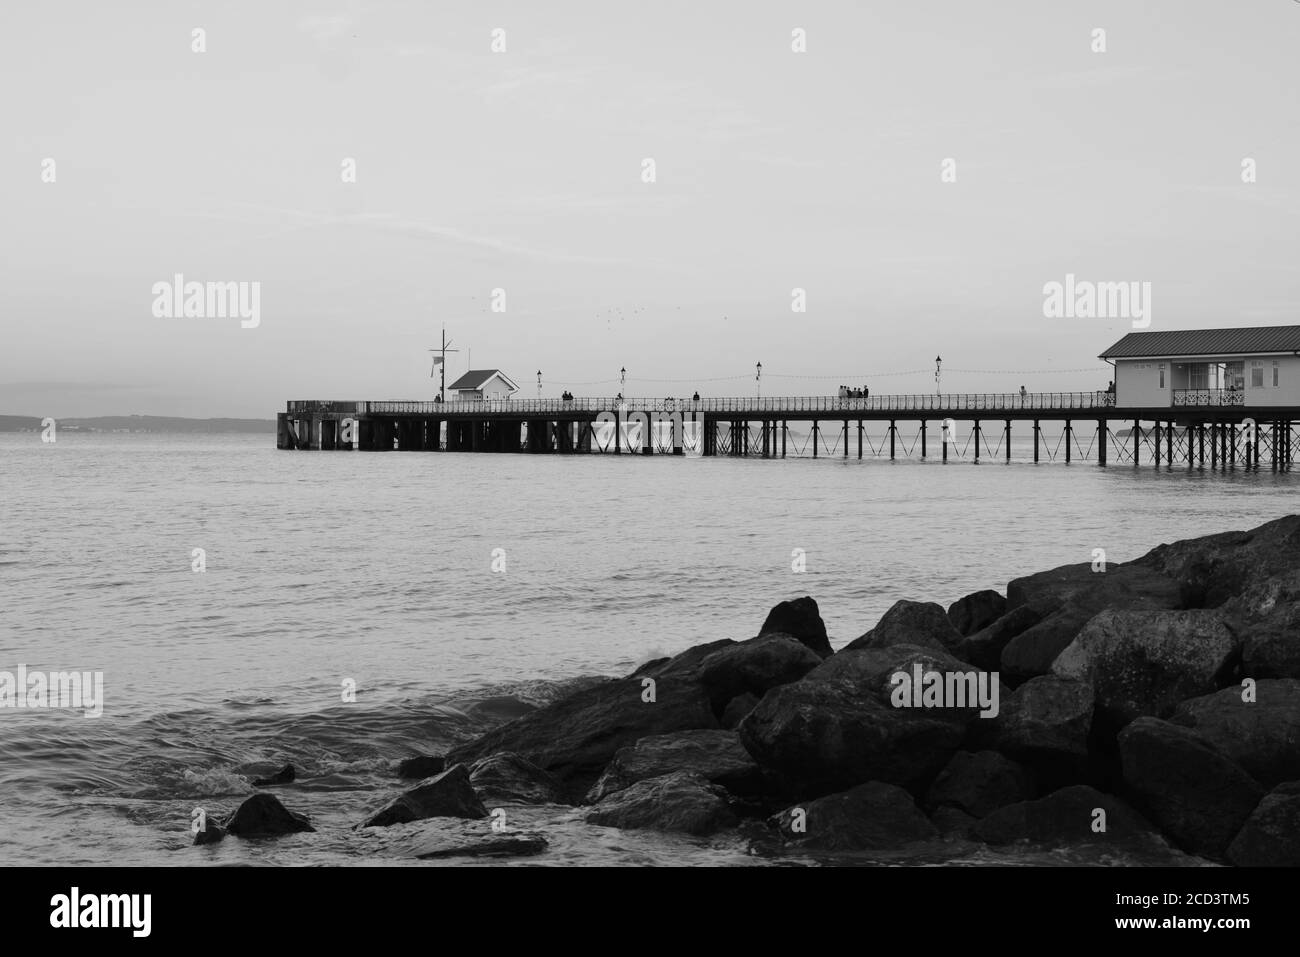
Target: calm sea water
[(379, 570)]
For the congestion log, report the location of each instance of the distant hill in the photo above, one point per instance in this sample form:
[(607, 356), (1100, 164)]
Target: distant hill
[(140, 423)]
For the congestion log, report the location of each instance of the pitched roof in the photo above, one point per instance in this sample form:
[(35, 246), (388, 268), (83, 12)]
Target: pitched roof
[(1206, 342), (477, 378)]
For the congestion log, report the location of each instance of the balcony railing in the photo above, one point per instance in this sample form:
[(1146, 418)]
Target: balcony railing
[(952, 403), (1209, 397)]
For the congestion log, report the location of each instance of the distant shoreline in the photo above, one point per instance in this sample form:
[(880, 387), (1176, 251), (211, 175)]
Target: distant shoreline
[(140, 423)]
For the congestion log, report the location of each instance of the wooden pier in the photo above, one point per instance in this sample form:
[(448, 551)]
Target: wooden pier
[(1212, 429)]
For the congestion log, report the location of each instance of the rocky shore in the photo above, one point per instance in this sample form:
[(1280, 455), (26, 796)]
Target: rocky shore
[(1152, 705)]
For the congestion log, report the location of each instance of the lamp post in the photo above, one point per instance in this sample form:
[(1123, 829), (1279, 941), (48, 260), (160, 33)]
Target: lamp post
[(758, 377), (539, 385), (622, 380), (938, 360)]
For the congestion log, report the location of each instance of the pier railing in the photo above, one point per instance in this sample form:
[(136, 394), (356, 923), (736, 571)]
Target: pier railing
[(1209, 397), (960, 402)]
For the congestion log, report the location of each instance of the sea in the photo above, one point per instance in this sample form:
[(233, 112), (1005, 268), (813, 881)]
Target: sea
[(249, 608)]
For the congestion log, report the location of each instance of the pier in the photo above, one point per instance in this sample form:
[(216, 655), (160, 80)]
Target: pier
[(1199, 428)]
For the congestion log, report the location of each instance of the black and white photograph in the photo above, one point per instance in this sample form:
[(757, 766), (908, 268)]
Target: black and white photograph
[(460, 446)]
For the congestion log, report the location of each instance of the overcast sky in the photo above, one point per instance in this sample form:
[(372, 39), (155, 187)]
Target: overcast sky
[(522, 170)]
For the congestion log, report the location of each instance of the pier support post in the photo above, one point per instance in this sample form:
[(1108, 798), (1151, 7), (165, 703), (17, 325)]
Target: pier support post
[(1214, 445), (1191, 445), (945, 445), (784, 430), (1169, 443), (846, 438), (1069, 439), (1036, 433), (1157, 446), (893, 431), (1101, 443), (618, 431), (859, 439), (1007, 439), (814, 437), (977, 441), (923, 438), (1137, 440)]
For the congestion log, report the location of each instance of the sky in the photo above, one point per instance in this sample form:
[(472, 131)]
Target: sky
[(523, 170)]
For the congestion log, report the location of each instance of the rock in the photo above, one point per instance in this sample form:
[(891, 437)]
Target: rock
[(1066, 817), (1260, 599), (448, 794), (421, 767), (493, 845), (976, 611), (716, 756), (1271, 645), (1191, 790), (506, 778), (802, 621), (1271, 836), (1212, 570), (1262, 736), (685, 664), (575, 737), (736, 710), (681, 801), (837, 727), (1067, 598), (984, 648), (869, 817), (1145, 662), (262, 815), (954, 824), (284, 776), (212, 834), (754, 667), (980, 783), (911, 623), (1047, 719)]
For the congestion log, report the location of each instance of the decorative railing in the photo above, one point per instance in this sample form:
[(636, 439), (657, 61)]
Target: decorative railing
[(1198, 397), (986, 402)]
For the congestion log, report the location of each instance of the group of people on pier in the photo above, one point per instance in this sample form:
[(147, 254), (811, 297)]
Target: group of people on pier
[(849, 393)]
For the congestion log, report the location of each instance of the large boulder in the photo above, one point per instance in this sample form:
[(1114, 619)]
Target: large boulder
[(507, 778), (448, 794), (802, 621), (911, 623), (1261, 735), (1212, 570), (1066, 817), (1146, 662), (984, 647), (1196, 794), (575, 737), (839, 726), (1271, 645), (979, 783), (1046, 724), (754, 667), (1271, 836), (872, 816), (681, 801), (262, 815), (1068, 597), (717, 756), (976, 611), (421, 766)]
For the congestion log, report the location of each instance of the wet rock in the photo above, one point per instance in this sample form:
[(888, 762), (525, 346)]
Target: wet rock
[(1146, 662), (802, 621), (575, 737), (681, 801), (284, 776), (492, 845), (1271, 644), (212, 834), (980, 783), (911, 623), (954, 824), (716, 756), (1271, 835), (754, 667), (1067, 817), (984, 648), (422, 766), (871, 816), (262, 815), (1046, 721), (736, 710), (1197, 795), (1067, 598), (837, 727), (977, 611), (507, 778), (1262, 736), (448, 794)]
